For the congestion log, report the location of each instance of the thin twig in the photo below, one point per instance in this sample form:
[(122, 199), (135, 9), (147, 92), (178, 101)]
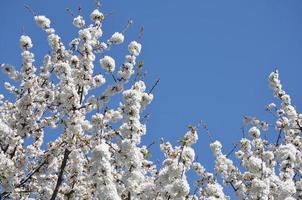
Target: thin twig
[(69, 11), (145, 118), (109, 14), (114, 78), (23, 30), (79, 9), (98, 4), (148, 147), (141, 32), (129, 23), (205, 126), (242, 131), (233, 149), (30, 9), (32, 173), (139, 69), (156, 83)]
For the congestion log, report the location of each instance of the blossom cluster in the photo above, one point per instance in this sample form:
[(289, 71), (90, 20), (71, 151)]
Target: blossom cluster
[(98, 154)]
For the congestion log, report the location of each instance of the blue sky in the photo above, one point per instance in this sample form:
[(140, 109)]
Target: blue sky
[(213, 57)]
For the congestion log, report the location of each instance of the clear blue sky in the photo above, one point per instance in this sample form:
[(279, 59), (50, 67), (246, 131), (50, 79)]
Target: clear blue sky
[(213, 57)]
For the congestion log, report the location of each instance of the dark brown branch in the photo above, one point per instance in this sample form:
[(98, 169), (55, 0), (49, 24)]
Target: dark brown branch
[(69, 194), (4, 149), (12, 154), (81, 91), (5, 194), (60, 176)]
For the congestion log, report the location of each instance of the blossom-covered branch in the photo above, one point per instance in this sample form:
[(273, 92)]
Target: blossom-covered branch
[(98, 154)]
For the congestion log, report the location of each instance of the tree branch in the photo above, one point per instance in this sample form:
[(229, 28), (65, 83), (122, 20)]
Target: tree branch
[(154, 86), (279, 137), (60, 176), (31, 174)]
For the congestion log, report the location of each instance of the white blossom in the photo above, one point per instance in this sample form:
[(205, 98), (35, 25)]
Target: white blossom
[(42, 21), (254, 132), (79, 21), (96, 150), (108, 64), (99, 80), (96, 15), (85, 34), (117, 38), (134, 48), (216, 147), (25, 42)]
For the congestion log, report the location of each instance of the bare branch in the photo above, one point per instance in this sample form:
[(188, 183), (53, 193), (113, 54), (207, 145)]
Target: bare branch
[(156, 83)]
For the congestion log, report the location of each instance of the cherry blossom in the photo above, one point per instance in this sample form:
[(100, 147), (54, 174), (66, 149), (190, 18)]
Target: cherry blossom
[(98, 151)]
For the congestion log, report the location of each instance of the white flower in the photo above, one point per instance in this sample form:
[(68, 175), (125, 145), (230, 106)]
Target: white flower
[(260, 188), (79, 22), (74, 43), (200, 170), (287, 189), (131, 59), (42, 21), (239, 154), (74, 61), (146, 99), (28, 57), (268, 156), (85, 34), (50, 30), (103, 46), (178, 189), (254, 132), (188, 156), (96, 15), (106, 158), (108, 64), (287, 152), (117, 38), (62, 69), (289, 198), (135, 48), (254, 164), (216, 147), (215, 190), (112, 115), (25, 42), (99, 80), (286, 99), (10, 71), (54, 41), (245, 145), (126, 71), (190, 137), (271, 106)]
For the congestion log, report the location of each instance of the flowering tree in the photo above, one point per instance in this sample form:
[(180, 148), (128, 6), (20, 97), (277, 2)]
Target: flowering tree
[(98, 153)]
